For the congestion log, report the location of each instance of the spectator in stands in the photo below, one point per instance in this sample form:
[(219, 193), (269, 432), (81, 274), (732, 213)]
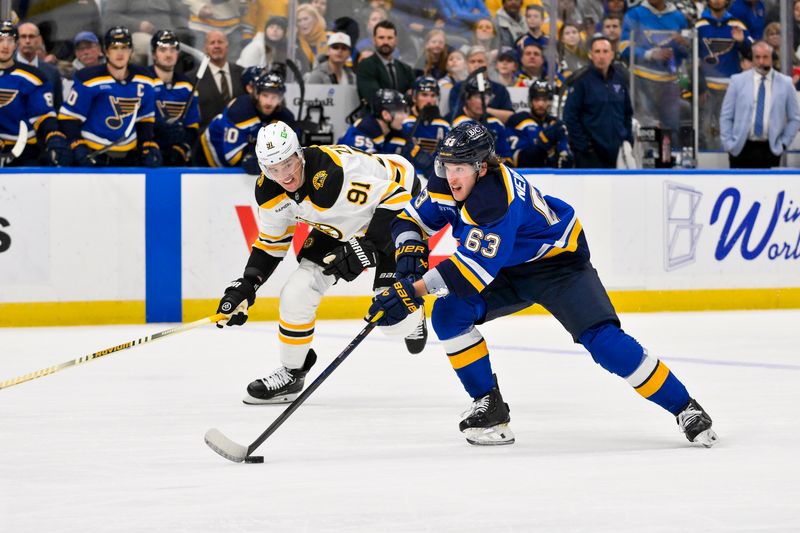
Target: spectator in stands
[(145, 16), (88, 53), (534, 18), (498, 106), (30, 41), (759, 117), (258, 12), (433, 61), (532, 64), (615, 7), (418, 18), (374, 16), (62, 20), (461, 15), (538, 138), (506, 69), (311, 37), (222, 80), (456, 70), (474, 108), (722, 39), (214, 15), (572, 53), (751, 13), (510, 23), (266, 47), (772, 35), (612, 28), (322, 8), (598, 112), (484, 34), (382, 70), (334, 69), (591, 13)]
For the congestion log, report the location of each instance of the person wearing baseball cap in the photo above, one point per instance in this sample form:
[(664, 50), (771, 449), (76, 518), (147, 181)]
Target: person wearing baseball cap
[(88, 52), (335, 70)]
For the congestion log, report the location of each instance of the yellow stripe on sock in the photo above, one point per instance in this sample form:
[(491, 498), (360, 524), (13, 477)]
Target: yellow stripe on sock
[(651, 386), (469, 356)]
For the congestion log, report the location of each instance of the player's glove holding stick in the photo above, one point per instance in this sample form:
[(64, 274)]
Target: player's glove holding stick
[(238, 298), (351, 258), (412, 259), (396, 303)]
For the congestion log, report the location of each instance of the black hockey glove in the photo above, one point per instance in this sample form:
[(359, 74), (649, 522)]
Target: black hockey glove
[(179, 155), (250, 164), (57, 150), (151, 155), (80, 154), (170, 133), (396, 303), (238, 298), (351, 258), (428, 113), (412, 259)]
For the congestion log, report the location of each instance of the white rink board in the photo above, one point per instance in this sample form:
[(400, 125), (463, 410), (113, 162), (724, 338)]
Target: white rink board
[(74, 237)]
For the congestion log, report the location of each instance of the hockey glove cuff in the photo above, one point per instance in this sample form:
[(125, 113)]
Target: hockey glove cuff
[(151, 155), (412, 259), (238, 298), (350, 259), (57, 150)]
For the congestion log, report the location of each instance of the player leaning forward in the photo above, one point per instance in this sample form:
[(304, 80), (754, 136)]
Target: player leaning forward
[(349, 198), (516, 248)]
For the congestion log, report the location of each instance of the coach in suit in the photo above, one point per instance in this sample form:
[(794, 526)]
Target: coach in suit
[(382, 70), (222, 81), (759, 116)]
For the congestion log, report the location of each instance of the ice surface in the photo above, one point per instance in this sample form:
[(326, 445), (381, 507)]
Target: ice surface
[(116, 445)]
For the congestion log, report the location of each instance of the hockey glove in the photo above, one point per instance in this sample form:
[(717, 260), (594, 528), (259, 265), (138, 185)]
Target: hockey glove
[(57, 150), (151, 155), (412, 259), (396, 303), (170, 133), (80, 154), (238, 298), (179, 155), (250, 164), (351, 258)]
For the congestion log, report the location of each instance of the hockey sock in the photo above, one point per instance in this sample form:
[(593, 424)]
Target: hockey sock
[(621, 354), (470, 359)]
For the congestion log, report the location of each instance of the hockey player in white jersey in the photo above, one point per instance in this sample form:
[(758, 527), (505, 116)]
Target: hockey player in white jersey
[(349, 198)]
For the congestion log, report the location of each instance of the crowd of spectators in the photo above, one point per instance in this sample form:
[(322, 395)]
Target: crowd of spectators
[(476, 49)]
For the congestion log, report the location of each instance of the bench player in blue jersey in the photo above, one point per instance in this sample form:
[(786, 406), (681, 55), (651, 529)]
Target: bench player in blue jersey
[(474, 111), (537, 138), (516, 248)]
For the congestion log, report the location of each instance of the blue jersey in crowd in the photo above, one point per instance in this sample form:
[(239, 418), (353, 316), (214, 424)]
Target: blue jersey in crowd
[(26, 96), (752, 14), (503, 222), (99, 108), (719, 52), (644, 29), (538, 143), (495, 125)]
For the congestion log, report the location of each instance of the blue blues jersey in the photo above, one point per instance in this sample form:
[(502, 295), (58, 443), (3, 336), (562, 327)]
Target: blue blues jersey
[(503, 223), (99, 108), (172, 98), (644, 29), (366, 135), (536, 143), (233, 132), (495, 125), (427, 135), (25, 95), (719, 52)]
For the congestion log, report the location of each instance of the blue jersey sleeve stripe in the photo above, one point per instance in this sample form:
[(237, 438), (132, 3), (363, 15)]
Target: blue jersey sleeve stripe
[(468, 274), (570, 245), (415, 217), (475, 267)]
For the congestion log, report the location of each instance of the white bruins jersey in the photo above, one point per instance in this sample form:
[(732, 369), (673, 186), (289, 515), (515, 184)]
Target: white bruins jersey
[(343, 189)]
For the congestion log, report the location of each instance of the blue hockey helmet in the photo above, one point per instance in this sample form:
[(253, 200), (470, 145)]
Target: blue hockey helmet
[(426, 84), (250, 74), (164, 38), (469, 142), (388, 100), (118, 35), (8, 29)]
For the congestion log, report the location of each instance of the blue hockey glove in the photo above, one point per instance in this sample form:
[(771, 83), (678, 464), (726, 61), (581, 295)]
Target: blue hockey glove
[(412, 259), (350, 259), (80, 154), (57, 150), (396, 303), (238, 298), (151, 155)]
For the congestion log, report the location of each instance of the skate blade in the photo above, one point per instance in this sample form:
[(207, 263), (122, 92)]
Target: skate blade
[(284, 398), (494, 436), (707, 438)]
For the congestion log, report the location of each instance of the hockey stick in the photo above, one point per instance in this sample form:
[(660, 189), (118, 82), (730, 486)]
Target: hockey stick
[(94, 155), (302, 124), (201, 71), (19, 145), (96, 355), (238, 453)]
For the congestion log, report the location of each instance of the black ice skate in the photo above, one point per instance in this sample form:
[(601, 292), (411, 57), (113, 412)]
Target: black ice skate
[(282, 386), (696, 424), (415, 342), (485, 423)]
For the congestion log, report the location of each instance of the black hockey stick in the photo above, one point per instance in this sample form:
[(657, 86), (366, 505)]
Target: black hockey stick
[(201, 71), (480, 74), (238, 453), (302, 124), (97, 153), (19, 145)]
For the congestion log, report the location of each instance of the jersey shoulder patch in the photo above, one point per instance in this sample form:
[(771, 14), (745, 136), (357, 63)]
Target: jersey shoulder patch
[(489, 200), (324, 175)]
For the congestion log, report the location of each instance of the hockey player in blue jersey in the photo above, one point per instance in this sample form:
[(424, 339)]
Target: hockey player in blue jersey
[(536, 138), (102, 103), (474, 111), (176, 126), (516, 248), (425, 125), (229, 140), (722, 41), (384, 125), (26, 96)]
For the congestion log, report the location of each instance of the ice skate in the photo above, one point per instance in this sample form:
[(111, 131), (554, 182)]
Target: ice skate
[(282, 386), (485, 423), (696, 424), (415, 342)]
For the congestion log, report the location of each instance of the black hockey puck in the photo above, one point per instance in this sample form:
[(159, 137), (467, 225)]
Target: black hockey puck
[(254, 459)]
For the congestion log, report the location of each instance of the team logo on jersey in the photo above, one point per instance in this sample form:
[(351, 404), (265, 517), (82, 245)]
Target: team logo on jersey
[(122, 107), (319, 179), (716, 48), (7, 96), (170, 109), (421, 198), (324, 228)]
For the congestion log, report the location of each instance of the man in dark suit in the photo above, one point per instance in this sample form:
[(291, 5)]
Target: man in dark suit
[(382, 70), (30, 41), (221, 82)]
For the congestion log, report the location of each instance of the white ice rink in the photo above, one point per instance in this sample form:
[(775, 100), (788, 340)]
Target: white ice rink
[(116, 445)]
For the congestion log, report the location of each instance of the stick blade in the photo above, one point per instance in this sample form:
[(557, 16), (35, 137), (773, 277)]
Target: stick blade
[(225, 446)]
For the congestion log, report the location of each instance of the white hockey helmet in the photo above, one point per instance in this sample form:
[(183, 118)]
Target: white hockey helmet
[(276, 142)]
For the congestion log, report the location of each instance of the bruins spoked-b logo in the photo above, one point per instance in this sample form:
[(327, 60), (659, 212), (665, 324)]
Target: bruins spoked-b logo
[(7, 96), (122, 107), (319, 179), (170, 109)]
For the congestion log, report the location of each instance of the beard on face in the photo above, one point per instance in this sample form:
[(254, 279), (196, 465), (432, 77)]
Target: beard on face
[(385, 49)]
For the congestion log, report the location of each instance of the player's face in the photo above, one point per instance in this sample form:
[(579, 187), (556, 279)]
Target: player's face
[(425, 98), (475, 105), (7, 48), (268, 102), (461, 178), (539, 106), (396, 120), (166, 57), (118, 55), (288, 173)]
